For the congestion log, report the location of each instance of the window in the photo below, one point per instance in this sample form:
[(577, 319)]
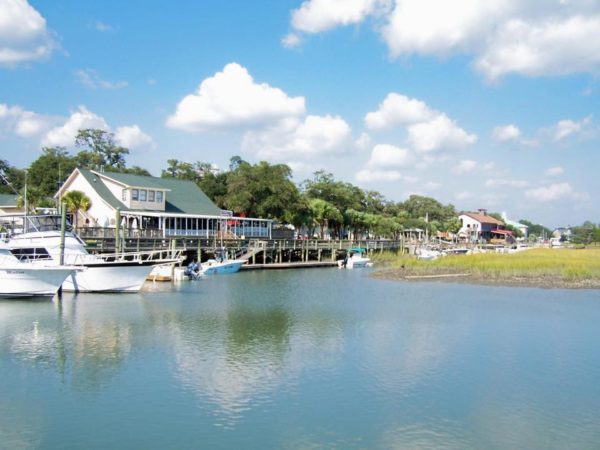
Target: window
[(124, 195), (159, 196), (151, 196), (143, 193), (134, 194)]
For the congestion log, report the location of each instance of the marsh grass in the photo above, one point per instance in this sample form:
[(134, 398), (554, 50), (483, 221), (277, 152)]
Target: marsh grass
[(553, 264)]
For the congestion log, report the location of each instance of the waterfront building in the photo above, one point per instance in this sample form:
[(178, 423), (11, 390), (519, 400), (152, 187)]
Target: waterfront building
[(476, 226), (517, 225), (156, 207), (8, 204)]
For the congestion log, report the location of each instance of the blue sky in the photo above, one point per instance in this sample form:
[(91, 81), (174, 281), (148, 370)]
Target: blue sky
[(481, 104)]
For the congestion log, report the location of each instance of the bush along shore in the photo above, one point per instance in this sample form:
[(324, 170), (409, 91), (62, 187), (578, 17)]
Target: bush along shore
[(545, 268)]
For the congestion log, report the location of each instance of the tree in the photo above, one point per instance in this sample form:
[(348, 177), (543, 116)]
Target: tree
[(420, 207), (101, 148), (536, 229), (76, 201), (11, 178), (35, 198), (50, 170), (322, 213)]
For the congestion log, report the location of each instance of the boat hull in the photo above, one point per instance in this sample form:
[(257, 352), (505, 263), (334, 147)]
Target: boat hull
[(109, 277), (221, 268), (20, 282)]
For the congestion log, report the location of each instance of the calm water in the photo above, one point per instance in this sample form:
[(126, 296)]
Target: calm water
[(303, 359)]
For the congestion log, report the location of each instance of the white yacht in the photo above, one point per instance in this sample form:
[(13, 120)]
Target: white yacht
[(18, 279), (39, 243)]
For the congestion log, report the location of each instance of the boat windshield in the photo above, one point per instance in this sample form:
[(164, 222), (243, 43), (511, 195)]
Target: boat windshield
[(29, 224)]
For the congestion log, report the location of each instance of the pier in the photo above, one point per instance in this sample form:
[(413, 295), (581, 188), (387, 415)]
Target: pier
[(260, 253)]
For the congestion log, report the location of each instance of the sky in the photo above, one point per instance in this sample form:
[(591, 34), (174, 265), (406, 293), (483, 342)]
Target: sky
[(489, 104)]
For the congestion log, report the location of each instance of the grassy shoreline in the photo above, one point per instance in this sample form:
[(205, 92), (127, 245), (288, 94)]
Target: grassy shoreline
[(545, 268)]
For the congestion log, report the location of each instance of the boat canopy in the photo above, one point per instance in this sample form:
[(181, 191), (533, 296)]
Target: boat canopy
[(357, 250)]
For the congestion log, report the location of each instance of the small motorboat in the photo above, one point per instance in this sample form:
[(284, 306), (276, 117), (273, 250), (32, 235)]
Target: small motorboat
[(354, 259), (428, 255), (215, 266)]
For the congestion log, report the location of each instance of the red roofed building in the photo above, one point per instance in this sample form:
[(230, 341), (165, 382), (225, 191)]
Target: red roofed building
[(476, 226)]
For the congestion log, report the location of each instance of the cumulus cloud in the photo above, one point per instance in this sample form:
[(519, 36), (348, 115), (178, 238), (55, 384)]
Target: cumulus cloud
[(502, 36), (397, 109), (551, 47), (465, 166), (24, 123), (232, 98), (550, 193), (132, 137), (554, 171), (505, 182), (296, 139), (64, 135), (23, 34), (506, 133), (315, 16), (437, 134), (567, 127), (91, 79), (385, 164)]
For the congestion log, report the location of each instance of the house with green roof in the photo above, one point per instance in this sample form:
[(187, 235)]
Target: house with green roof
[(8, 204), (161, 206)]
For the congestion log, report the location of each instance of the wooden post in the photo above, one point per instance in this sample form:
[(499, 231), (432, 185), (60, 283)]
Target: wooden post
[(117, 230)]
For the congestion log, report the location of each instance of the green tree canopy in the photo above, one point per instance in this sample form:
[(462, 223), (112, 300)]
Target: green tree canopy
[(100, 149), (50, 170)]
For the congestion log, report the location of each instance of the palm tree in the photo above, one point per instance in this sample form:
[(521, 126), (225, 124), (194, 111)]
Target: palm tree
[(76, 201), (323, 212)]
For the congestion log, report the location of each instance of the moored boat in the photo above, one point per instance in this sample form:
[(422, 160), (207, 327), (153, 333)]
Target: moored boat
[(19, 279), (354, 259)]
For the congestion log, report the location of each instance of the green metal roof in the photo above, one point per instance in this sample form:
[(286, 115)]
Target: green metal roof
[(183, 197), (8, 200)]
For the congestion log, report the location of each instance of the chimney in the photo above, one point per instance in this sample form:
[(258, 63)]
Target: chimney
[(482, 211)]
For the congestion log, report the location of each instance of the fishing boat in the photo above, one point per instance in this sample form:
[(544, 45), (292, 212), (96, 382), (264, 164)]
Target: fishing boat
[(39, 243), (215, 266), (354, 259), (19, 279)]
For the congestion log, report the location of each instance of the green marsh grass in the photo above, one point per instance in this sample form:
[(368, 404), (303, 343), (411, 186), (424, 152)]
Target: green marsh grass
[(564, 264)]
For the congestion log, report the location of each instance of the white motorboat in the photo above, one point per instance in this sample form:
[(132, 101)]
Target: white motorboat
[(18, 279), (119, 272), (354, 259), (428, 255), (215, 266)]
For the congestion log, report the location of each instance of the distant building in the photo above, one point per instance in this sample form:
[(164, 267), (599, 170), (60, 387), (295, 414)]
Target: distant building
[(8, 204), (519, 226), (562, 233), (476, 226), (162, 206)]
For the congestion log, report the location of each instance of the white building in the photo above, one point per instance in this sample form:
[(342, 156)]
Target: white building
[(475, 226), (157, 206)]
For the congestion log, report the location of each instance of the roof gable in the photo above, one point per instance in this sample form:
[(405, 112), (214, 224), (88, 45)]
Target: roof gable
[(483, 218), (182, 197)]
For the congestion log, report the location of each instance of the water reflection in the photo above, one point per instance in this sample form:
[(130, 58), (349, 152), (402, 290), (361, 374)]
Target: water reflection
[(304, 360)]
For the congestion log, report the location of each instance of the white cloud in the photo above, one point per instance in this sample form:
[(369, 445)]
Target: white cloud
[(550, 47), (231, 98), (506, 133), (24, 123), (315, 16), (384, 164), (554, 171), (370, 175), (441, 133), (23, 34), (505, 182), (529, 38), (65, 134), (91, 79), (464, 195), (465, 166), (102, 27), (489, 166), (398, 109), (132, 137), (550, 193), (363, 141), (295, 139), (291, 40), (568, 127)]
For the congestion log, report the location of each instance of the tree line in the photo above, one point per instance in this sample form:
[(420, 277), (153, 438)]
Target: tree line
[(254, 190)]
